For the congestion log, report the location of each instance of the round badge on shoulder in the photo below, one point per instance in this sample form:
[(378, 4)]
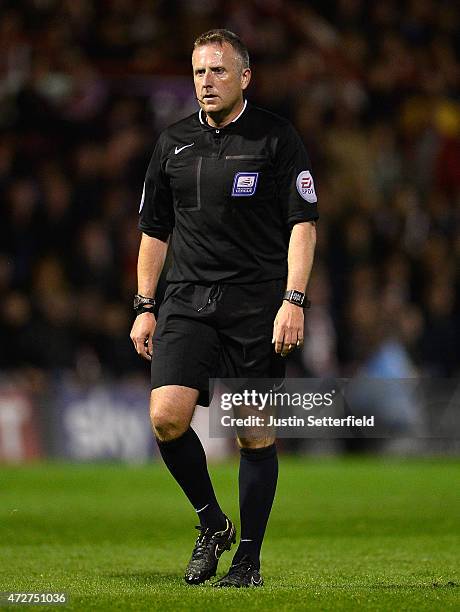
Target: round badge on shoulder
[(306, 187)]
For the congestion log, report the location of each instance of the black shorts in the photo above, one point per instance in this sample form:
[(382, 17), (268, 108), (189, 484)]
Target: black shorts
[(216, 331)]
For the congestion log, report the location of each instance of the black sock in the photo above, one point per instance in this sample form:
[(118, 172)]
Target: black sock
[(257, 484), (186, 460)]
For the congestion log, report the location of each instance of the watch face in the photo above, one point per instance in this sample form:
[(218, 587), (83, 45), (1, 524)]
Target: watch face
[(297, 297)]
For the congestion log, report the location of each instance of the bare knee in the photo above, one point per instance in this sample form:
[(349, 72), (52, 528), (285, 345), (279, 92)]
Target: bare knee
[(253, 442), (170, 413), (165, 426)]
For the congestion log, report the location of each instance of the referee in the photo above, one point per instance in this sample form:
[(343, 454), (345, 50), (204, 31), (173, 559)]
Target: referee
[(231, 187)]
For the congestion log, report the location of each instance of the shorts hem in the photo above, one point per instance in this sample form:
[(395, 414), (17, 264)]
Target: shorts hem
[(203, 393)]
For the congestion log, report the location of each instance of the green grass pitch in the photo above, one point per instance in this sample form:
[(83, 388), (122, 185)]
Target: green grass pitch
[(353, 534)]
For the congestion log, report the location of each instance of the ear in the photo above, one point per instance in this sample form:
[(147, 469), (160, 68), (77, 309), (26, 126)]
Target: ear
[(245, 78)]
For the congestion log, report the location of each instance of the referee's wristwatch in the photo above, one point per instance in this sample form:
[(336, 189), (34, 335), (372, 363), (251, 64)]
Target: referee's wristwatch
[(297, 297), (143, 304)]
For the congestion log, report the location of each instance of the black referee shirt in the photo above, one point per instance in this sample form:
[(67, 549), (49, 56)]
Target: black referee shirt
[(229, 196)]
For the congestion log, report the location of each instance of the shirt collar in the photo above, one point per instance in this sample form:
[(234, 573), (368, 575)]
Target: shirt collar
[(202, 116)]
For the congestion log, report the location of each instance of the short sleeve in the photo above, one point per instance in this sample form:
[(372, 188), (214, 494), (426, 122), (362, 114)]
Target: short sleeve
[(296, 187), (156, 210)]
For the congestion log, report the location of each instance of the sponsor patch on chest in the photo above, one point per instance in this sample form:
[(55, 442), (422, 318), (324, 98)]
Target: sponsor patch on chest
[(245, 184)]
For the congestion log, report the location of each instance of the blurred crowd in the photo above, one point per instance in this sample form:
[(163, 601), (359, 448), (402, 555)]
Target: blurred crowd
[(373, 88)]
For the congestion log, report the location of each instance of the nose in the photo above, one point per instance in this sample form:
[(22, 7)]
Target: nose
[(207, 79)]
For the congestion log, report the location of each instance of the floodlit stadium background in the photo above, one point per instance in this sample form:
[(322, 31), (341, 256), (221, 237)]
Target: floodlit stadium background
[(85, 88)]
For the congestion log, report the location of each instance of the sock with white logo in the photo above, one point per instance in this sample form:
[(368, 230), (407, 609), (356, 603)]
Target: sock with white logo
[(257, 485), (186, 460)]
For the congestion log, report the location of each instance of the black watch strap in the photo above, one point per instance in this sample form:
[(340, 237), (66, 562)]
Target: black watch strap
[(297, 297), (143, 304)]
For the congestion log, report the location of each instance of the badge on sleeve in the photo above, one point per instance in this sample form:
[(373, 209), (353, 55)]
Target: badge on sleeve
[(306, 187), (142, 199), (244, 184)]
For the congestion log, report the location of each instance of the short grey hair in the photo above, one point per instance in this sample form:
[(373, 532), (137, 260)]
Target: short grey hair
[(221, 36)]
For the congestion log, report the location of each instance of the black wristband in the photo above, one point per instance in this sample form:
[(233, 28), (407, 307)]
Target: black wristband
[(297, 298), (143, 304)]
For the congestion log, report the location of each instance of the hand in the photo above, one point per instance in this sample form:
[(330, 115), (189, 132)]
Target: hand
[(288, 328), (142, 334)]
